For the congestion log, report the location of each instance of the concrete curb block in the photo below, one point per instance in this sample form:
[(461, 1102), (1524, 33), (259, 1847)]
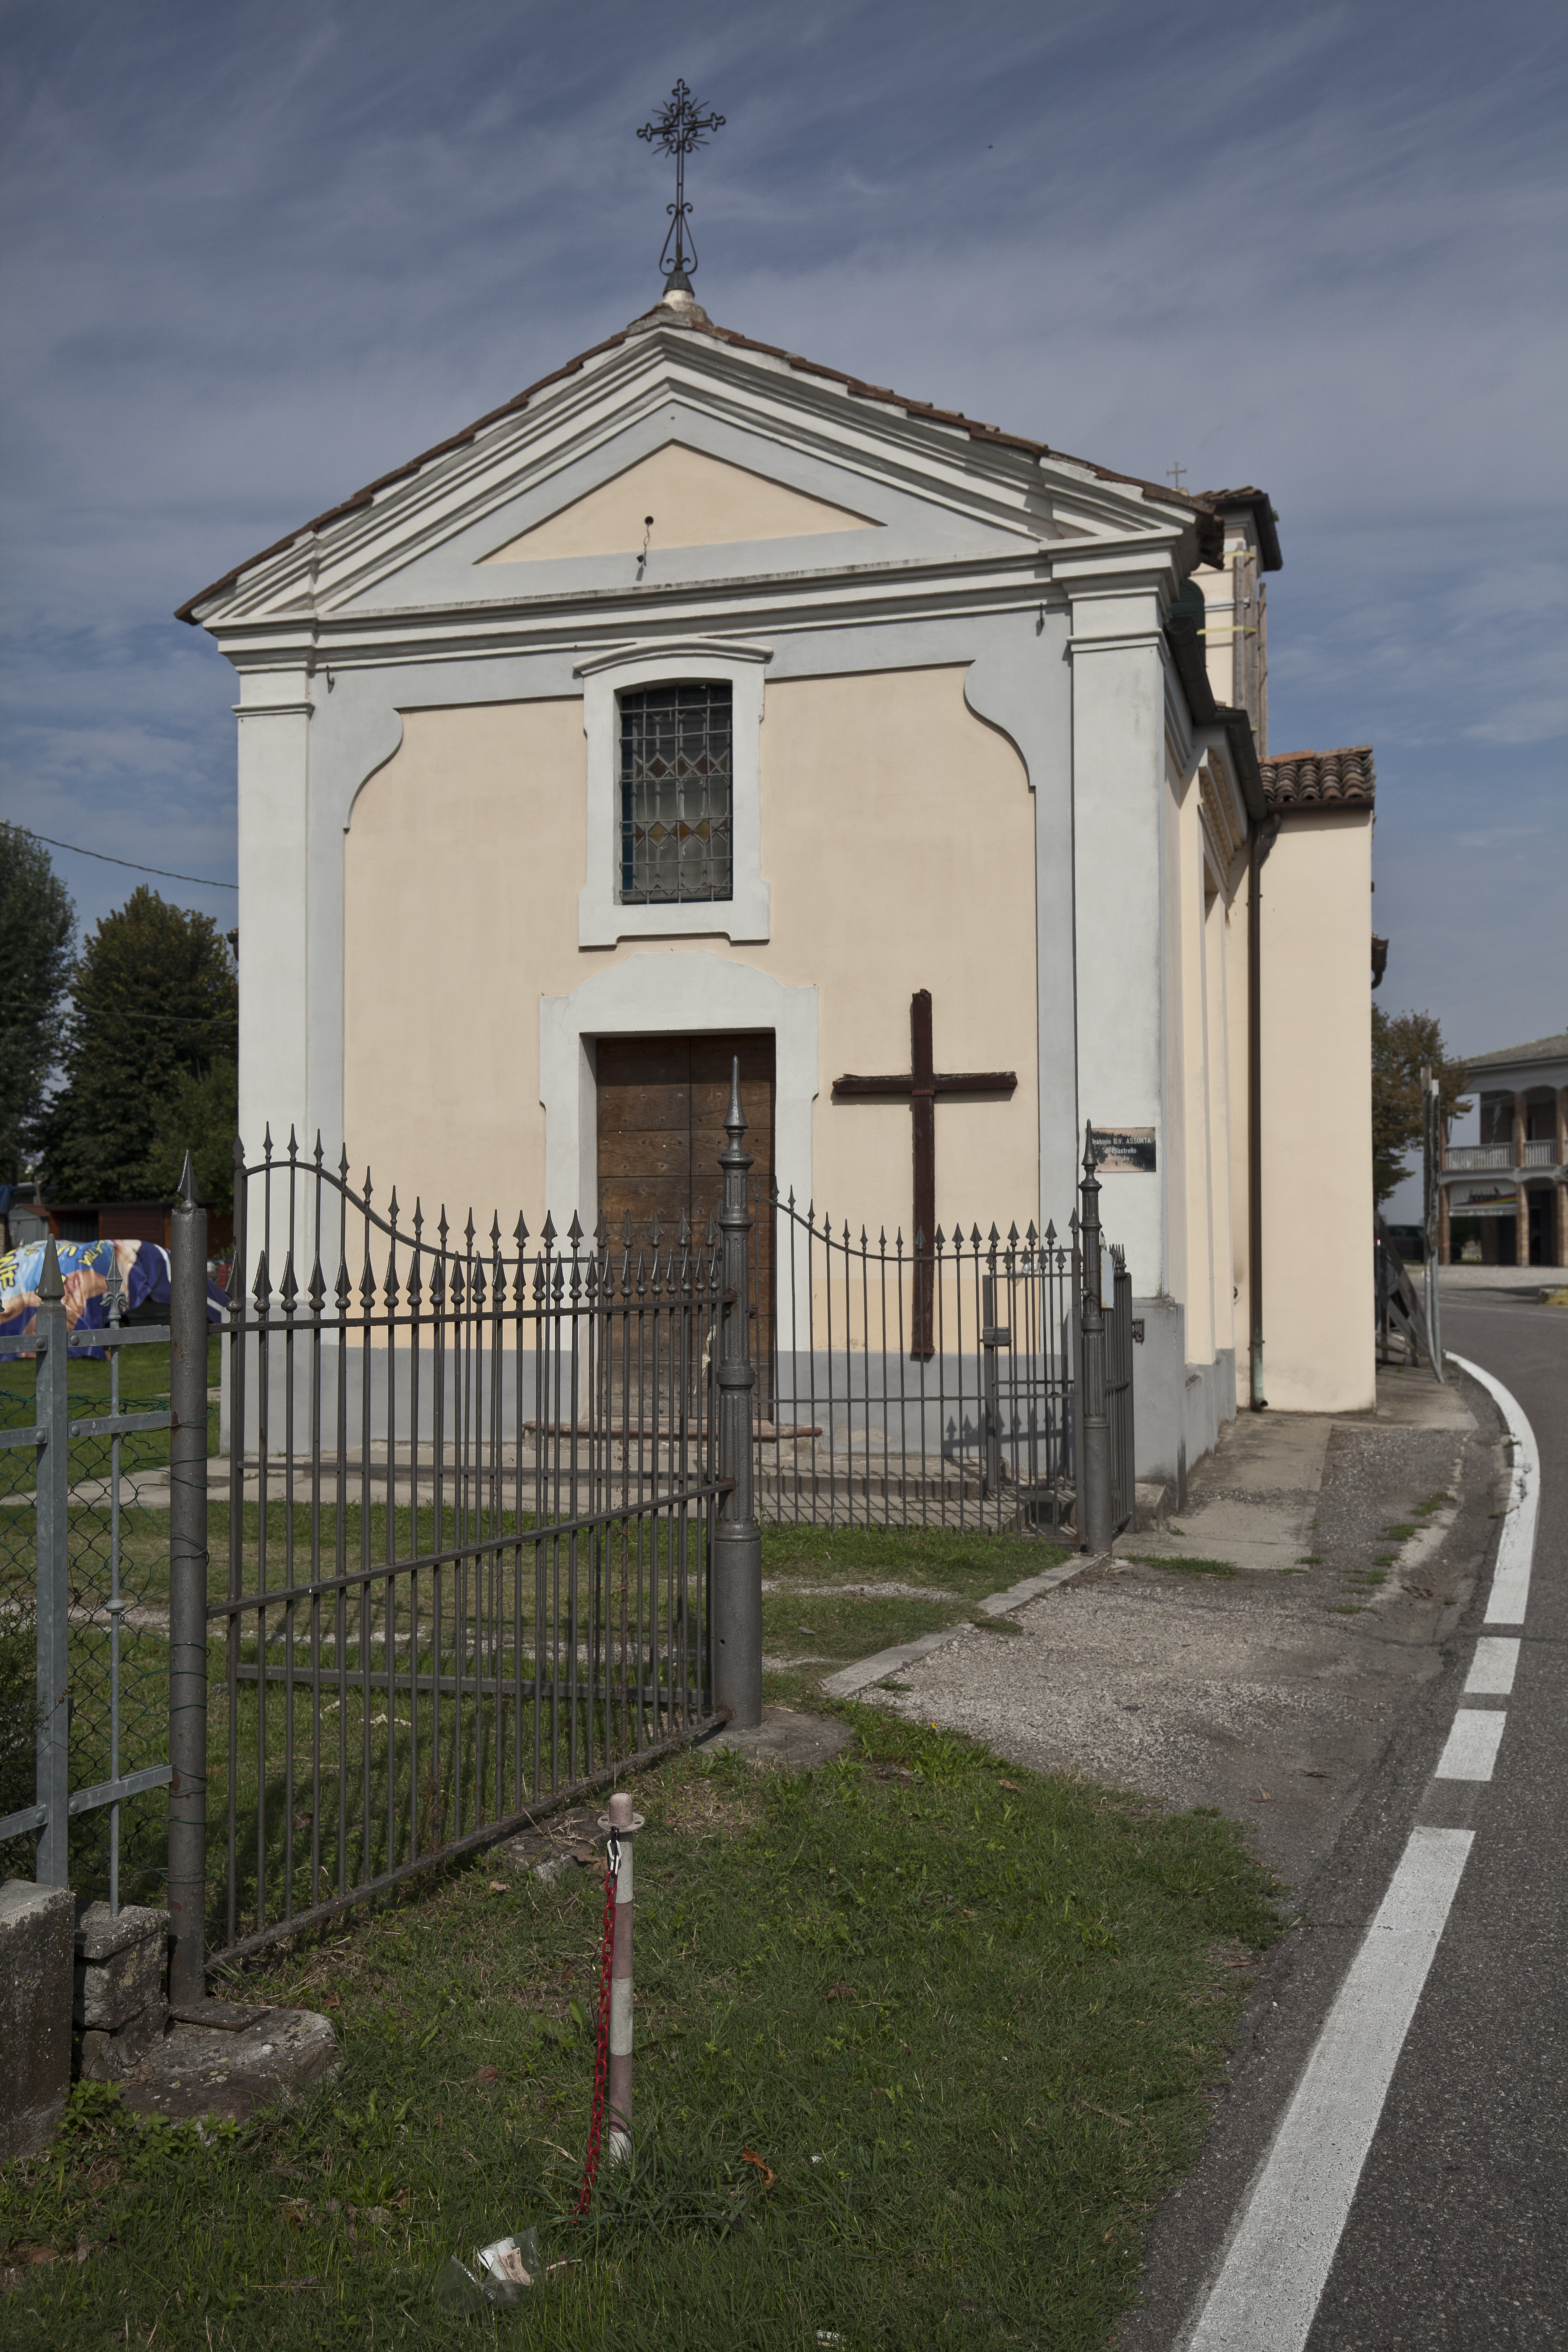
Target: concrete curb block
[(1002, 1604), (849, 1680)]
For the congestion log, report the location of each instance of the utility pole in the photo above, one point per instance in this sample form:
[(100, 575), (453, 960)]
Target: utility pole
[(1431, 1156)]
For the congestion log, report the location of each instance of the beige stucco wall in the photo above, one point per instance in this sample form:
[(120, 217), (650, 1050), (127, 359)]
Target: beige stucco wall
[(898, 840), (1196, 1208), (1318, 1328), (1217, 919), (1239, 1089), (695, 500)]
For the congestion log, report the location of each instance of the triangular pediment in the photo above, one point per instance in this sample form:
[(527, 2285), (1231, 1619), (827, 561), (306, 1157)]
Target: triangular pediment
[(752, 463), (678, 497)]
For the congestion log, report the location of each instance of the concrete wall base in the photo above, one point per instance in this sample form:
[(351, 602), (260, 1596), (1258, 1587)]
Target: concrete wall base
[(1178, 1409), (120, 1996), (35, 1930)]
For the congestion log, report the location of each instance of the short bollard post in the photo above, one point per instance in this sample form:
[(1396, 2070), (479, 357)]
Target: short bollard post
[(623, 1824)]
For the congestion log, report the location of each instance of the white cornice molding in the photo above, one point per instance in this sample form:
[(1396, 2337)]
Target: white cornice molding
[(592, 622), (664, 650), (1116, 641)]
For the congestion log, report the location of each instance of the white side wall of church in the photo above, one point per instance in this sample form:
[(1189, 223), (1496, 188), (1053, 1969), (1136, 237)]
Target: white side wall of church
[(1118, 781), (1216, 1052), (1319, 1342), (1197, 1207)]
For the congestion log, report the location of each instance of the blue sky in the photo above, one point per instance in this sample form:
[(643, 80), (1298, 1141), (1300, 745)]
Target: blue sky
[(253, 256)]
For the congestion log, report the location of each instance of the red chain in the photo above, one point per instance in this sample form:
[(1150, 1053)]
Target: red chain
[(602, 2054)]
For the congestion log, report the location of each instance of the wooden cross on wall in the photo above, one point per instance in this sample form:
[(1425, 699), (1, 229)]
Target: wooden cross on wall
[(920, 1087)]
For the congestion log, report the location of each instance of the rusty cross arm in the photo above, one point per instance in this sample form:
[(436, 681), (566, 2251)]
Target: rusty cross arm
[(940, 1082)]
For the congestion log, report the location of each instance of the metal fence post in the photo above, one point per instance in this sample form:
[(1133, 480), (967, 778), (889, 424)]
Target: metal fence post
[(1095, 1517), (188, 1593), (51, 1867), (993, 1334), (737, 1603)]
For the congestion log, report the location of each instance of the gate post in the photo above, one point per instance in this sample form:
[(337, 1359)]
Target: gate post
[(188, 1593), (1094, 1507), (51, 1865), (736, 1609)]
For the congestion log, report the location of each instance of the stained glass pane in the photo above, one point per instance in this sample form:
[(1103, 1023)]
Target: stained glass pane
[(676, 795)]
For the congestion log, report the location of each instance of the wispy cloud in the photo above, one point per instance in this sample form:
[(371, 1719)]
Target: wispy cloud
[(255, 257)]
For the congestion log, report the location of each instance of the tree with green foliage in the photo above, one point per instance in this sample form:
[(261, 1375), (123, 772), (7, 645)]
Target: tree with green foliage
[(200, 1116), (1403, 1044), (37, 926), (154, 1004)]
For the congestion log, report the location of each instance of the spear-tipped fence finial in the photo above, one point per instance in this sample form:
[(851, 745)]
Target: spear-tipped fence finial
[(51, 1288)]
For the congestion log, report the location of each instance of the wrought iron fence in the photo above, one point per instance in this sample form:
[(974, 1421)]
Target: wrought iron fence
[(913, 1385), (490, 1526), (471, 1500), (1119, 1339), (84, 1646)]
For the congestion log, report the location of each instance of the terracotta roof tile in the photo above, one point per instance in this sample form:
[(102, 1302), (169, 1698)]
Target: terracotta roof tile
[(1320, 780), (1210, 529), (1265, 521)]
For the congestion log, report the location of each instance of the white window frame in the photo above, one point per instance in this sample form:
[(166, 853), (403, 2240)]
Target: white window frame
[(602, 919)]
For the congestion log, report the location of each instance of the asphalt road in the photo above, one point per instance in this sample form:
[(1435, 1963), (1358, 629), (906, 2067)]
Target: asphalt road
[(1456, 2239)]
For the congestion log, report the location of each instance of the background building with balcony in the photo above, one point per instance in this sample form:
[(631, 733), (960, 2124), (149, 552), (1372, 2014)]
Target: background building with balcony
[(1509, 1193)]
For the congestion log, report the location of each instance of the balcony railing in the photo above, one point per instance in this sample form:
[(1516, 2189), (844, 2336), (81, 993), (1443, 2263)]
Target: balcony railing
[(1472, 1156)]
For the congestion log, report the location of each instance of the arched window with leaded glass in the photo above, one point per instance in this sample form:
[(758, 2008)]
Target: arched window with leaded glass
[(677, 793)]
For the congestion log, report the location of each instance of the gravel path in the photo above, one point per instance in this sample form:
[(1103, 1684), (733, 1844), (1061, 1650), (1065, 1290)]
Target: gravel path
[(1268, 1692)]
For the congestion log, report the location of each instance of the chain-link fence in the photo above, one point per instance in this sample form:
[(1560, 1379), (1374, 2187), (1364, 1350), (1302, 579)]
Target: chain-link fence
[(18, 1608), (84, 1597)]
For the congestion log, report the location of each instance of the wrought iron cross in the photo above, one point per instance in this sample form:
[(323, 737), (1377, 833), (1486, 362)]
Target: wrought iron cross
[(679, 130), (920, 1088)]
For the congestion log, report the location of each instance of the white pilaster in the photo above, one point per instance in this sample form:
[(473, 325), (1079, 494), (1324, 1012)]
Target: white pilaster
[(1118, 737), (274, 713)]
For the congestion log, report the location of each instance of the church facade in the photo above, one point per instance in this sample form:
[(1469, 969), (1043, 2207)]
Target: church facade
[(703, 701)]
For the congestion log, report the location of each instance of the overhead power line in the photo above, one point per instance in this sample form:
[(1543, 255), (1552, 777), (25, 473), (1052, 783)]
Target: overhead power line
[(205, 880)]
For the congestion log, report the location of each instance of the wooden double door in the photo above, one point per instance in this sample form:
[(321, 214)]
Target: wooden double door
[(661, 1106)]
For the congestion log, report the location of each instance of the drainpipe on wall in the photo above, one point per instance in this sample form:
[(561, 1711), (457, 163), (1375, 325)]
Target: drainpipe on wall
[(1262, 842), (1187, 657)]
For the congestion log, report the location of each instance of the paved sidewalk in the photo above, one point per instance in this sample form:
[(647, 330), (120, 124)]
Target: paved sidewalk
[(1268, 1691), (1465, 1278)]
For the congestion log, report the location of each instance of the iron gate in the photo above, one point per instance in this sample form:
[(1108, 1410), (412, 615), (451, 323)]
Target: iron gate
[(914, 1385), (471, 1502)]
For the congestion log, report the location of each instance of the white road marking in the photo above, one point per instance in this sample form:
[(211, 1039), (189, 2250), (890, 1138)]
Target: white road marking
[(1471, 1751), (1289, 2225), (1496, 1661), (1267, 2294), (1516, 1544)]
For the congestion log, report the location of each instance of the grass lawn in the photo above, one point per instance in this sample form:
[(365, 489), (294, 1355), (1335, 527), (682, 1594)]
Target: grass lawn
[(946, 1572), (921, 2039), (143, 1388)]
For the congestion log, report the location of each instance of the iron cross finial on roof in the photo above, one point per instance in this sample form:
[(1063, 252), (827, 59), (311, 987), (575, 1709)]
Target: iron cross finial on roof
[(1175, 474), (679, 130)]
